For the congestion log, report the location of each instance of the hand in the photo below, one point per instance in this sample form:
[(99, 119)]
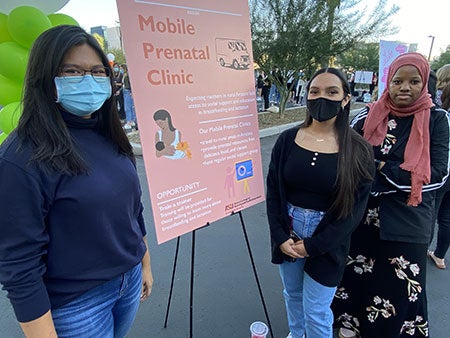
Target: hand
[(147, 282), (379, 164), (170, 150), (299, 247), (288, 248), (147, 276)]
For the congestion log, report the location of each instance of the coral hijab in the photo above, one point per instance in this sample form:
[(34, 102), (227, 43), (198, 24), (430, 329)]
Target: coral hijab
[(417, 152)]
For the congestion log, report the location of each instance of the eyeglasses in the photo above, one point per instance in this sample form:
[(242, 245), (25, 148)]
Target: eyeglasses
[(76, 74)]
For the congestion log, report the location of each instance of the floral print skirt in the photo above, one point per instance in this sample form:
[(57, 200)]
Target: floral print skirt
[(382, 293)]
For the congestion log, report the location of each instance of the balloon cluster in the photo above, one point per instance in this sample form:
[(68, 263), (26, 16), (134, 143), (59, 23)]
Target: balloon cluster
[(18, 30)]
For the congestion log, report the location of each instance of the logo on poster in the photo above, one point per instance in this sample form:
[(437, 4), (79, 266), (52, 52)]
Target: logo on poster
[(244, 169)]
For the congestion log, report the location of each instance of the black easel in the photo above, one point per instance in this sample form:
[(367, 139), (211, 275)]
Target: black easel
[(191, 291)]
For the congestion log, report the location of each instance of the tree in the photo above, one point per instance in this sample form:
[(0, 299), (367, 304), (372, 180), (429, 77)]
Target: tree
[(441, 60), (305, 34), (280, 31), (364, 56), (118, 54)]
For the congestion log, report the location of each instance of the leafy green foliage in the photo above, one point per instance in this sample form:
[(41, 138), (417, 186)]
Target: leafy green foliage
[(441, 60), (308, 34), (364, 56), (118, 53)]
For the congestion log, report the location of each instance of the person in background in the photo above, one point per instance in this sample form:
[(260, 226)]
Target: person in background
[(352, 83), (128, 101), (374, 83), (299, 88), (291, 85), (118, 81), (265, 92), (312, 215), (432, 82), (442, 206), (302, 94), (443, 77), (259, 84), (74, 258), (274, 92), (383, 292)]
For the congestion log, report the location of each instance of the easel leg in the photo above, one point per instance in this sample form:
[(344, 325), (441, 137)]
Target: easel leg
[(255, 273), (171, 282), (191, 293)]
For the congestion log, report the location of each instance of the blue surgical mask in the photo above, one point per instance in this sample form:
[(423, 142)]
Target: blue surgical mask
[(82, 95), (116, 69)]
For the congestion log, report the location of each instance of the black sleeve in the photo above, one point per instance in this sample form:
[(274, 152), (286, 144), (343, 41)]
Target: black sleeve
[(274, 207)]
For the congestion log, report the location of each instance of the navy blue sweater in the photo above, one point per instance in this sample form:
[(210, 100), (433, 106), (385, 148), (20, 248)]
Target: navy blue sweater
[(63, 235)]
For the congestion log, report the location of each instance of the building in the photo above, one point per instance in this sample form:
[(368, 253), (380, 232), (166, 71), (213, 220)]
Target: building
[(112, 36)]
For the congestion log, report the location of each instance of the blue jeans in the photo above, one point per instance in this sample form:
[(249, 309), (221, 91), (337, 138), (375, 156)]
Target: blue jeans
[(107, 311), (129, 105), (274, 94), (307, 301)]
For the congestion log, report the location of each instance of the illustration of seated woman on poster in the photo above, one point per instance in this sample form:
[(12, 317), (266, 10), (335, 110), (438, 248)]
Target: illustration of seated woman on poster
[(168, 139)]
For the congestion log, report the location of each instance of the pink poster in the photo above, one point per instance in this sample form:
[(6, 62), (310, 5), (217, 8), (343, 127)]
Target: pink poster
[(192, 81), (389, 50)]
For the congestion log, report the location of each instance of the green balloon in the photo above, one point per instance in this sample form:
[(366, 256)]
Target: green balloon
[(9, 116), (58, 19), (3, 137), (10, 91), (26, 23), (13, 61), (4, 33)]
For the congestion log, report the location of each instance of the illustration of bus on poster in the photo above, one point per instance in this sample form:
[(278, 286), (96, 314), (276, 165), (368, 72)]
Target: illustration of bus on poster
[(193, 87)]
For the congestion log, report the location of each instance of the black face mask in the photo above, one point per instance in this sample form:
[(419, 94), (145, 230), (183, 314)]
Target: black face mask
[(322, 109)]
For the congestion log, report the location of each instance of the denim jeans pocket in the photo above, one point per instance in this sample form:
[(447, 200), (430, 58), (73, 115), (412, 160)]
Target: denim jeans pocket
[(304, 221)]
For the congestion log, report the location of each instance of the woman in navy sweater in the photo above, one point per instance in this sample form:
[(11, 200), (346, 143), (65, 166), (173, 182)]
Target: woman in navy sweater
[(73, 252)]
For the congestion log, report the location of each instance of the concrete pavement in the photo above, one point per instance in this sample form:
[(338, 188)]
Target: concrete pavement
[(226, 298)]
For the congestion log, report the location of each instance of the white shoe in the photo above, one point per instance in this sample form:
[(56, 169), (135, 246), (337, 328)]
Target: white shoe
[(346, 333), (290, 335)]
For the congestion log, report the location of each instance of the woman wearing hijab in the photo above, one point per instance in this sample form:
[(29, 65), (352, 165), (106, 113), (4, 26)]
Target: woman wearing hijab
[(383, 292)]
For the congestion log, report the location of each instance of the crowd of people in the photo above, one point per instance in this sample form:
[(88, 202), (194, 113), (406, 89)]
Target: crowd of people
[(351, 234), (267, 88), (268, 92)]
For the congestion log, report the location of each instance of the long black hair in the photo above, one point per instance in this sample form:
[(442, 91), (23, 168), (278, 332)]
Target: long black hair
[(41, 120), (354, 157)]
